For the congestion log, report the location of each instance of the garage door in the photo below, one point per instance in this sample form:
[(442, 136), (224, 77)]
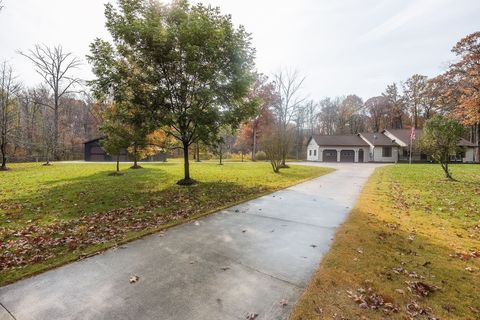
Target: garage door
[(330, 155), (347, 156)]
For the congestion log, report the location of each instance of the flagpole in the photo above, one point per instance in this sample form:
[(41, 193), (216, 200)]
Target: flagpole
[(413, 136), (410, 153)]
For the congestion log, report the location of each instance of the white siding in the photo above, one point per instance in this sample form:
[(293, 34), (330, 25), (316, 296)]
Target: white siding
[(469, 155), (378, 155), (313, 151)]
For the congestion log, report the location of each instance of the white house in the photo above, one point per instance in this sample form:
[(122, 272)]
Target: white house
[(387, 146), (346, 148)]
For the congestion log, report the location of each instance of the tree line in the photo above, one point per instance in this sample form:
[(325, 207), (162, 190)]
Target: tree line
[(182, 76)]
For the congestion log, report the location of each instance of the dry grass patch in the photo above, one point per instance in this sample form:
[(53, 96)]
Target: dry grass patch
[(409, 250)]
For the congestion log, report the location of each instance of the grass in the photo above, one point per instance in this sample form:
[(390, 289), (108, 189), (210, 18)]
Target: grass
[(50, 215), (409, 250)]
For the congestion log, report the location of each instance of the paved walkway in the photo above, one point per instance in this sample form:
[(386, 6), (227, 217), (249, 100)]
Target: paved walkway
[(240, 261)]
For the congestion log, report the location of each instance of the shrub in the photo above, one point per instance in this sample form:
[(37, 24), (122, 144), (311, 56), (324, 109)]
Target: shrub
[(261, 156)]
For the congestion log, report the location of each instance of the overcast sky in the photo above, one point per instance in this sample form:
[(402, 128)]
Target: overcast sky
[(341, 46)]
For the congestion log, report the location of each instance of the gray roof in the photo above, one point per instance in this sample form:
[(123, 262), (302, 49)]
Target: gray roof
[(379, 139), (339, 140), (404, 136)]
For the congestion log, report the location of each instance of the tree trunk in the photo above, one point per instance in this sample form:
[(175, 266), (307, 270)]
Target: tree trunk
[(118, 162), (4, 157), (47, 157), (186, 181), (197, 152), (477, 156), (254, 146), (135, 164), (446, 171), (55, 129), (221, 155), (135, 157)]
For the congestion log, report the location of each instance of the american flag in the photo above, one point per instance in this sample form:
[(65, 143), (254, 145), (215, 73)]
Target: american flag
[(413, 134)]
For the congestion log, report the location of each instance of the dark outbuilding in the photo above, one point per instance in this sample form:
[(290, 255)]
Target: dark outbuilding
[(95, 152)]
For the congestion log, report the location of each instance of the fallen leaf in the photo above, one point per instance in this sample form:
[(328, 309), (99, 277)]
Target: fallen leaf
[(284, 302), (133, 279)]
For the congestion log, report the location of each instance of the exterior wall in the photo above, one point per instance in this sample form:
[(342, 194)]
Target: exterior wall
[(319, 156), (313, 153), (366, 154), (469, 155), (377, 155)]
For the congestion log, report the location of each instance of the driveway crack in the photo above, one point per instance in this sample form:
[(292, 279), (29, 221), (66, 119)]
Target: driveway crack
[(8, 311)]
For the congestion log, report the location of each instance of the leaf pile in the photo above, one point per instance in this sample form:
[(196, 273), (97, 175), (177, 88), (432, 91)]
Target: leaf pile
[(368, 299)]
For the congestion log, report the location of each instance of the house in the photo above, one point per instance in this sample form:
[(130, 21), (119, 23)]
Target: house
[(402, 138), (338, 148), (93, 151), (387, 146)]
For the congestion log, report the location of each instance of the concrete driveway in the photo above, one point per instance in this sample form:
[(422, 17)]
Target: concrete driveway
[(254, 258)]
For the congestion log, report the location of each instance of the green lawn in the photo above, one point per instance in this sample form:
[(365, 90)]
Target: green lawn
[(409, 250), (52, 215)]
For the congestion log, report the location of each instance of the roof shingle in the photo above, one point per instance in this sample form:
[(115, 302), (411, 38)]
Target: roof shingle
[(340, 140)]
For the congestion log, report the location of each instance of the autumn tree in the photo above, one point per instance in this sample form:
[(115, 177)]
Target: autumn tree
[(54, 66), (396, 106), (9, 90), (414, 95), (351, 119), (377, 110), (440, 140), (464, 77), (264, 92), (197, 68)]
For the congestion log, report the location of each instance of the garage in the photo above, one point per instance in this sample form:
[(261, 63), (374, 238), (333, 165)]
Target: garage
[(347, 156), (330, 155)]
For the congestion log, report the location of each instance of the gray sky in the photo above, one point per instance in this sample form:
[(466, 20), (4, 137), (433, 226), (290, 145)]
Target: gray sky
[(342, 46)]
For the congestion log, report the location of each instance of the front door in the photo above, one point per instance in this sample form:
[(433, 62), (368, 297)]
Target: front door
[(360, 155)]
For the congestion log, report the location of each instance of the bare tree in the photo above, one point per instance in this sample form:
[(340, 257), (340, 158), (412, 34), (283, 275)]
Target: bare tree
[(311, 114), (54, 66), (328, 116), (414, 95), (273, 145), (288, 85), (377, 109), (9, 88), (396, 106)]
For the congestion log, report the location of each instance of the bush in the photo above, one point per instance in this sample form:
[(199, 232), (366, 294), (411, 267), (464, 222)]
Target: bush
[(261, 156), (238, 156)]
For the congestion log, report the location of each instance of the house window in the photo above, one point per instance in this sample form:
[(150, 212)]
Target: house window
[(386, 152), (309, 152), (314, 153)]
